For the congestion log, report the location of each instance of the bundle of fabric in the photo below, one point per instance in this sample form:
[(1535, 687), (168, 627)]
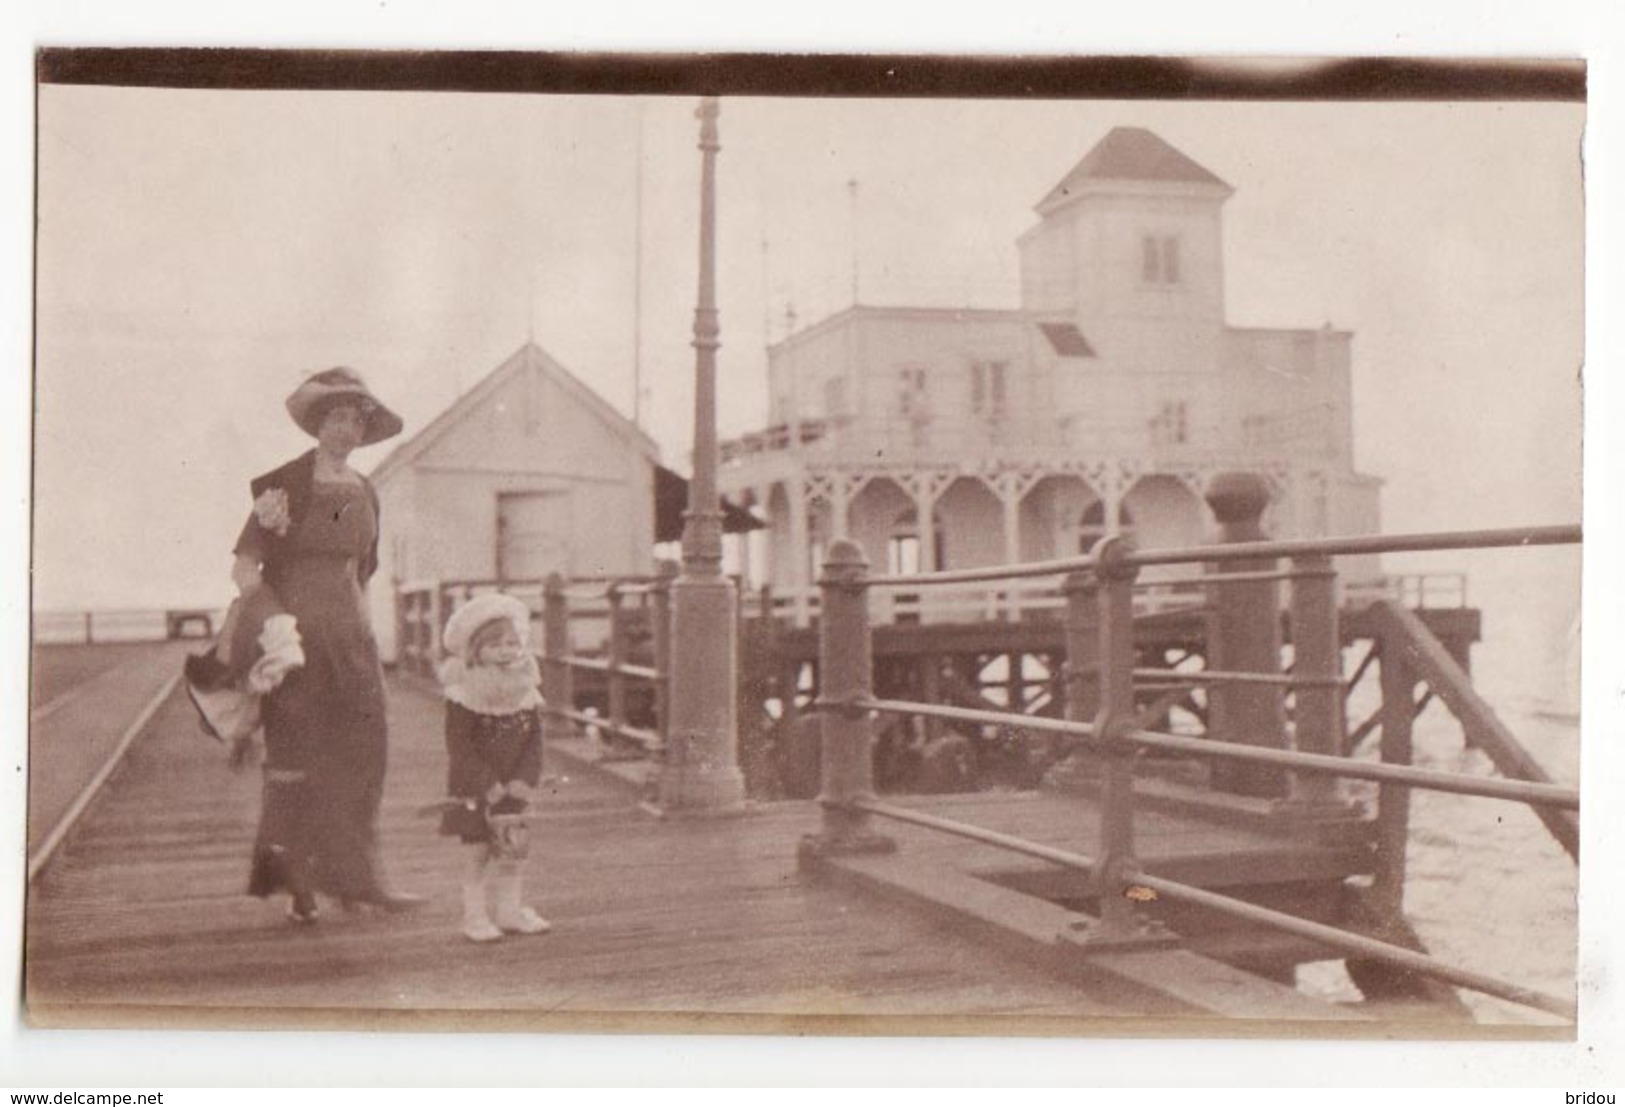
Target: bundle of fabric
[(257, 648)]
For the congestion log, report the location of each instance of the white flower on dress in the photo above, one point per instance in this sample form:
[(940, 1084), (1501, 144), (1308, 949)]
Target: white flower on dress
[(271, 509)]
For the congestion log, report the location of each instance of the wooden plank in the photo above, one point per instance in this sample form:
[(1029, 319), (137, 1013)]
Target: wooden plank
[(655, 920), (1183, 981)]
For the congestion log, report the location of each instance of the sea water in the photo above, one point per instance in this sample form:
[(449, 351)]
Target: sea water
[(1487, 887)]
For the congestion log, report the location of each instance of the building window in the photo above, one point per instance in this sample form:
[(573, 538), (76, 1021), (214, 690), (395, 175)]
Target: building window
[(903, 554), (1159, 259), (987, 388), (903, 548), (912, 401), (1170, 426), (1066, 340)]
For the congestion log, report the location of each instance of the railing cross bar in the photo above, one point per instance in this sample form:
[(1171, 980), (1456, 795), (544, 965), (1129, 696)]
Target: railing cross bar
[(1542, 795), (1348, 942), (1215, 676)]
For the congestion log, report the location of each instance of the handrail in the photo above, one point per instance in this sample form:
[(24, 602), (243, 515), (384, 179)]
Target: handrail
[(1107, 720), (1535, 794), (1341, 940), (1349, 942), (1360, 544), (984, 572), (1250, 551)]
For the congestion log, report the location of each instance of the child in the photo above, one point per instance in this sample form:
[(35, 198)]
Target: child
[(494, 743)]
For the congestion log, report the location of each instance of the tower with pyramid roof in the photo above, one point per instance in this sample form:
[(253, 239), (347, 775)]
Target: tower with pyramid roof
[(956, 437)]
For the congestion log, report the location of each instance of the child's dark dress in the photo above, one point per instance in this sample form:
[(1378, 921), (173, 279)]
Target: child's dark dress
[(483, 750)]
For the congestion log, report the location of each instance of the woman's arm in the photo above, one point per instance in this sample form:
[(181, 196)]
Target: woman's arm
[(245, 573), (249, 551)]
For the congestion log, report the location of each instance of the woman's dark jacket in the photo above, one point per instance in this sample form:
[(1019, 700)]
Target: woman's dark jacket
[(296, 479)]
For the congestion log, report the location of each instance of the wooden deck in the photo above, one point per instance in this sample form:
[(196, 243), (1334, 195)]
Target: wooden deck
[(660, 924)]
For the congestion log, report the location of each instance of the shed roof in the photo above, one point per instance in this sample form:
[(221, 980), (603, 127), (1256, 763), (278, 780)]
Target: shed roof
[(528, 357)]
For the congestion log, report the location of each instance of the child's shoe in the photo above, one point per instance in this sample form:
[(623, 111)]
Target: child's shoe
[(511, 915), (524, 921), (481, 930)]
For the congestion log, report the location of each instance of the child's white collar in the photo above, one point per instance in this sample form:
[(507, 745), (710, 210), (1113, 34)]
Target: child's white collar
[(487, 690)]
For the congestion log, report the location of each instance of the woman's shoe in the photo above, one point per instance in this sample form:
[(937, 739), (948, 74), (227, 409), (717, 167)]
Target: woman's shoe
[(397, 903), (302, 909), (392, 903)]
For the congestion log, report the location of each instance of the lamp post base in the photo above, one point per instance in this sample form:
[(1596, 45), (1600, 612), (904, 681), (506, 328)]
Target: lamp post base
[(701, 771)]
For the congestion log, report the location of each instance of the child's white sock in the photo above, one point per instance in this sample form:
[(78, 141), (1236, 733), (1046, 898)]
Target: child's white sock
[(511, 915), (477, 924)]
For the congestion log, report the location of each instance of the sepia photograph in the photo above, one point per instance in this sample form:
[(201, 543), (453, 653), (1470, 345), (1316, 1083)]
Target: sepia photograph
[(751, 546)]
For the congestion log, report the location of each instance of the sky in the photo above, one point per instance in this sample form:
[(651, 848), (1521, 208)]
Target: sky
[(200, 251)]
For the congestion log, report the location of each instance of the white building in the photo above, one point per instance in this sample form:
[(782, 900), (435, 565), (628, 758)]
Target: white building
[(530, 472), (941, 438)]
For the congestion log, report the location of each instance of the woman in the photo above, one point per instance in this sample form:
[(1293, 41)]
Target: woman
[(313, 539)]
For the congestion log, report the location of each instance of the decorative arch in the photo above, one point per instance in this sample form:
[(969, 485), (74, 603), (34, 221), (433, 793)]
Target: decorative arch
[(1166, 511), (872, 514), (972, 517), (1049, 513)]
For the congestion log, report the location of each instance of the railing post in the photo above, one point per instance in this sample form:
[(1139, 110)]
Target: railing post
[(403, 626), (614, 678), (1244, 636), (1393, 822), (846, 686), (1115, 600), (660, 631), (1081, 678), (1317, 654), (1082, 591), (437, 615), (557, 682)]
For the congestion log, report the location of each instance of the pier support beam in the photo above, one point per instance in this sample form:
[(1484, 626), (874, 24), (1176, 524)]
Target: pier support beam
[(1244, 636)]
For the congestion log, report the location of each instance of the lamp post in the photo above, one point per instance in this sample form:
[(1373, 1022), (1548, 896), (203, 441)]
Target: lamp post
[(701, 774)]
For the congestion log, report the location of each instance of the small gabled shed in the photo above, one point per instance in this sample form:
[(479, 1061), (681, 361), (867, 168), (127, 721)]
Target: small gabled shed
[(529, 472)]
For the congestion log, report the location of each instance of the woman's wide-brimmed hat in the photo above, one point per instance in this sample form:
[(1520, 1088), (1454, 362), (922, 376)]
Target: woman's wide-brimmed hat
[(484, 608), (310, 401)]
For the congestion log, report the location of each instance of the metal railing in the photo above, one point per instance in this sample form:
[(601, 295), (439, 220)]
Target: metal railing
[(1001, 598), (595, 635), (612, 662), (1007, 434), (1010, 602), (123, 625), (1248, 735)]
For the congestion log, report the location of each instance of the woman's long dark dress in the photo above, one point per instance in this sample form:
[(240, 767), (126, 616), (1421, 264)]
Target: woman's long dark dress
[(325, 733)]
